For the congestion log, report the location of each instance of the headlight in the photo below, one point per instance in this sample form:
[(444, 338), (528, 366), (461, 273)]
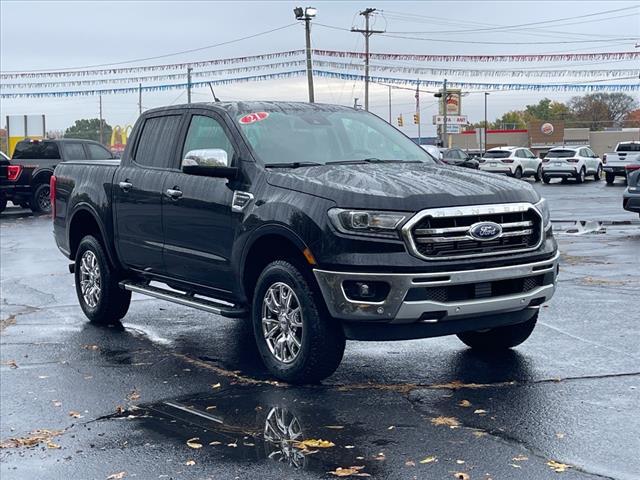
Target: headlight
[(365, 222), (543, 208)]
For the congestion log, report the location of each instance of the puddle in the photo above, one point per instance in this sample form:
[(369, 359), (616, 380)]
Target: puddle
[(580, 227)]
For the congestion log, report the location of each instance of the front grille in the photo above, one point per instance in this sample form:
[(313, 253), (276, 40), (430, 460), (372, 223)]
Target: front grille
[(475, 291), (445, 233)]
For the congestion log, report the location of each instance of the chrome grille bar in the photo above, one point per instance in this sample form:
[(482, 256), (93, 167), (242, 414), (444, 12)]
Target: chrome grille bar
[(439, 231)]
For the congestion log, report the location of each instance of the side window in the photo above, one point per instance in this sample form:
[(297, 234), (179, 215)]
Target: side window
[(520, 154), (73, 151), (207, 132), (529, 154), (97, 152), (157, 141), (592, 154)]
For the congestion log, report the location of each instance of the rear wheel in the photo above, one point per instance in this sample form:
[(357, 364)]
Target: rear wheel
[(40, 201), (581, 176), (499, 338), (518, 173), (610, 178), (297, 342), (100, 297), (538, 174), (598, 175), (546, 179)]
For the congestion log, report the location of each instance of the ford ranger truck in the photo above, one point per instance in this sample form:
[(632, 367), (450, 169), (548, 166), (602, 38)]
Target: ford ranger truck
[(316, 223)]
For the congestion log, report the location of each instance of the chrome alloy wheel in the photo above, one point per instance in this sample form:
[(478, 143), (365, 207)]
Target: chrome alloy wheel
[(281, 432), (282, 322), (90, 285)]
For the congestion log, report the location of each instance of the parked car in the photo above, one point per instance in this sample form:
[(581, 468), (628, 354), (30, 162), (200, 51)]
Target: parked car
[(615, 162), (516, 162), (459, 158), (32, 164), (631, 196), (318, 223), (571, 162)]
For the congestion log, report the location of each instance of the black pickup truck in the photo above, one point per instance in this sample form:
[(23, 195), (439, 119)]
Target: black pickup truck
[(319, 223), (31, 166)]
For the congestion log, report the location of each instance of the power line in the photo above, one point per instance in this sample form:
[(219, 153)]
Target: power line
[(476, 42), (160, 56)]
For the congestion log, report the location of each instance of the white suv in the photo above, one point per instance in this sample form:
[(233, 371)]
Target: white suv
[(571, 162), (516, 162)]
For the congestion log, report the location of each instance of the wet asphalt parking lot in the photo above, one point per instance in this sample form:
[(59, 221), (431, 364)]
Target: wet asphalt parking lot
[(80, 401)]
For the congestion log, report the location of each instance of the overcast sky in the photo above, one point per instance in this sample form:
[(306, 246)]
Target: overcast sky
[(54, 35)]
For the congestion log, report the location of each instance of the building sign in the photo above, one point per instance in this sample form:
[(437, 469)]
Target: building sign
[(119, 136), (451, 120), (20, 127), (453, 102), (542, 133)]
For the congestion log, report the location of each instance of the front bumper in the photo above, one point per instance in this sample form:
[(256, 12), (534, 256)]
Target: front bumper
[(396, 309)]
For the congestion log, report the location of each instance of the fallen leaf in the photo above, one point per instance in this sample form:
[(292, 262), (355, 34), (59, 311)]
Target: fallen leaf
[(410, 463), (210, 407), (91, 347), (464, 403), (334, 427), (11, 364), (459, 462), (479, 433), (193, 443), (380, 457), (215, 443), (117, 476), (37, 437), (349, 472), (349, 446), (217, 385), (233, 445), (557, 466), (75, 414), (461, 476), (429, 460), (313, 443), (520, 458), (479, 411), (56, 403), (391, 427), (447, 421), (190, 462), (560, 435), (133, 396), (515, 466), (53, 445), (120, 409)]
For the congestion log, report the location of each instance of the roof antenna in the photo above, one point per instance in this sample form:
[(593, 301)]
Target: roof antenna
[(215, 99)]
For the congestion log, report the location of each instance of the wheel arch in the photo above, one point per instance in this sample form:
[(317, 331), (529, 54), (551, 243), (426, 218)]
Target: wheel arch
[(85, 221)]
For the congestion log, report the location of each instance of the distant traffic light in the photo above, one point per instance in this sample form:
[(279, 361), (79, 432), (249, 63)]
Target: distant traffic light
[(400, 121), (416, 118)]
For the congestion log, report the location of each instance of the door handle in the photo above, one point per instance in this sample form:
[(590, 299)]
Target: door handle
[(125, 186), (174, 193)]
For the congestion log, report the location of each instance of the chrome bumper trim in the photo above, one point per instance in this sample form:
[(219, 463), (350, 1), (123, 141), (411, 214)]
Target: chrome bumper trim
[(395, 309)]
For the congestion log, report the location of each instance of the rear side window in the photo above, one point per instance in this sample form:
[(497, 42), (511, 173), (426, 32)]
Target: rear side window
[(74, 151), (157, 141), (37, 151), (97, 152), (628, 147)]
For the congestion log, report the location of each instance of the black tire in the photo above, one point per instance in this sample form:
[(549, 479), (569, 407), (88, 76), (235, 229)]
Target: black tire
[(518, 173), (40, 201), (3, 204), (581, 175), (538, 175), (546, 179), (598, 175), (112, 302), (499, 338), (610, 178), (321, 339)]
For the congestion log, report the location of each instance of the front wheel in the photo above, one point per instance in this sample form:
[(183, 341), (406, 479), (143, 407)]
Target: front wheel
[(40, 201), (296, 342), (518, 173), (538, 175), (499, 338), (580, 177), (598, 175), (610, 178), (101, 298)]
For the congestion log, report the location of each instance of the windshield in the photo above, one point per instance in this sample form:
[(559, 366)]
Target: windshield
[(560, 154), (628, 147), (497, 154), (321, 136)]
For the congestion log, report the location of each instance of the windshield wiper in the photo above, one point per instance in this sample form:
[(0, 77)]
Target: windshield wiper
[(370, 160), (293, 165)]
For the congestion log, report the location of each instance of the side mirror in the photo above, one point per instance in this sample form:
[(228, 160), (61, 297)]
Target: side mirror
[(208, 162)]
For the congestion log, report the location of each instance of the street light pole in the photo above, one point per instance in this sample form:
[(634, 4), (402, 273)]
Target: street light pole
[(444, 111), (307, 14), (484, 146)]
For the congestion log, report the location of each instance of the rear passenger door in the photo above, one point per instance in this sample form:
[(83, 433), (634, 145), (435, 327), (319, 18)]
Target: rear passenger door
[(137, 197)]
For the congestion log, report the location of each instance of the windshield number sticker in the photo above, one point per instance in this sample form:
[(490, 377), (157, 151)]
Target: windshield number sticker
[(253, 117)]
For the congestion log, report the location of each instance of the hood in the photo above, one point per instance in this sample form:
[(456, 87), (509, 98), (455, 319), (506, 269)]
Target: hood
[(405, 187)]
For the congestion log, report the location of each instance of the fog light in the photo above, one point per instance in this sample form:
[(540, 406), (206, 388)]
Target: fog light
[(366, 291)]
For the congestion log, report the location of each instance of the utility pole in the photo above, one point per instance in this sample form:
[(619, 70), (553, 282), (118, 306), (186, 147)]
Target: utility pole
[(101, 139), (139, 99), (307, 14), (484, 146), (389, 103), (367, 32), (445, 143), (189, 85)]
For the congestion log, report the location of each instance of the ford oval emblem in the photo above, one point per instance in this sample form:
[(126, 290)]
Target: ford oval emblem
[(484, 231)]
